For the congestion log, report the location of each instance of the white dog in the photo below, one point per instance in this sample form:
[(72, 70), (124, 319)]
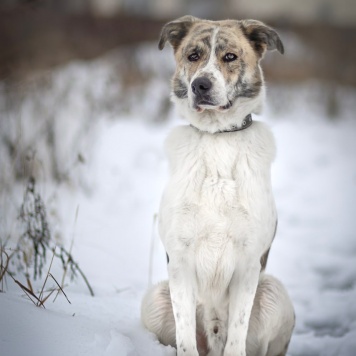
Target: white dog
[(217, 217)]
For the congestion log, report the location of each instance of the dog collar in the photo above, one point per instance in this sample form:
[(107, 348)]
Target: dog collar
[(247, 122)]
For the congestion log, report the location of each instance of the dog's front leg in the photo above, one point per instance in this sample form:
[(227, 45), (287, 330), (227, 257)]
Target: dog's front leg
[(242, 291), (181, 283)]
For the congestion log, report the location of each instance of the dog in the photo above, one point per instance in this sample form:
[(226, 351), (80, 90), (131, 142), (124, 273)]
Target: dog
[(217, 217)]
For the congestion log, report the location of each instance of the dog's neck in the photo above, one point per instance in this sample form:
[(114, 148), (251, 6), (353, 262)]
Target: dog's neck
[(247, 122)]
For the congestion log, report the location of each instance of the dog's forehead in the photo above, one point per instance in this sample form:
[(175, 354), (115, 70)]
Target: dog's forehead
[(225, 34)]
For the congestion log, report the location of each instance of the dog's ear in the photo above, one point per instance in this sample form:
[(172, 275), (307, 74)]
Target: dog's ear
[(261, 36), (175, 31)]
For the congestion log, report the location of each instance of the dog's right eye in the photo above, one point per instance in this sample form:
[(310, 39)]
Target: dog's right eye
[(229, 57), (193, 57)]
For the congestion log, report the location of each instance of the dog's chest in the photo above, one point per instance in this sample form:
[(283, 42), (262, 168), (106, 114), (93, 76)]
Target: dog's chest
[(212, 171), (206, 172), (212, 205), (218, 192), (218, 162)]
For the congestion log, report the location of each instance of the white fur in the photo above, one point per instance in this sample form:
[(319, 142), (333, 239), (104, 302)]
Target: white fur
[(217, 218)]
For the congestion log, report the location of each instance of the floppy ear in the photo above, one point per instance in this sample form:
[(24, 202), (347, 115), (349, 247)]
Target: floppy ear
[(261, 36), (175, 31)]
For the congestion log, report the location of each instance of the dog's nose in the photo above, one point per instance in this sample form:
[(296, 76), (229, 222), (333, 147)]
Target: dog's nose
[(201, 85)]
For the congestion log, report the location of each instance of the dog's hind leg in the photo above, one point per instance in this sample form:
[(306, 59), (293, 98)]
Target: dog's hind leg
[(157, 316), (272, 319)]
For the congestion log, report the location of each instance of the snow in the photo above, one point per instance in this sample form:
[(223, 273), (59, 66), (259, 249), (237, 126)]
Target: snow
[(314, 178)]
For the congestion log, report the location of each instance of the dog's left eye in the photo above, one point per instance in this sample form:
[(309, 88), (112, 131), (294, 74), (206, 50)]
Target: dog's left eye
[(229, 57), (193, 57)]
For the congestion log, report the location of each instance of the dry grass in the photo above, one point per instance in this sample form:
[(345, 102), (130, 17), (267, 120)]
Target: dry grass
[(31, 253), (36, 234), (4, 265), (43, 295)]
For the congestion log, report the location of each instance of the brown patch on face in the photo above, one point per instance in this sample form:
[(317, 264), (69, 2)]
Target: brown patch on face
[(243, 73), (198, 42)]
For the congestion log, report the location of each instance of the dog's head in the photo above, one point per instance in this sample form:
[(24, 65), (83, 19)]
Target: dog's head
[(218, 78)]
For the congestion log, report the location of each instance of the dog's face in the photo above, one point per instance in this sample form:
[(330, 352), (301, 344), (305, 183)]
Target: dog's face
[(218, 79)]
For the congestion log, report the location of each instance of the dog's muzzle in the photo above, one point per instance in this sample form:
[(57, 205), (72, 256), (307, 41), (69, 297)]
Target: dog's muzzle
[(202, 89)]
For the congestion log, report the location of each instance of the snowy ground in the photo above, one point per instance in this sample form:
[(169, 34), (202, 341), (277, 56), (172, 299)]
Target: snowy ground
[(314, 253)]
